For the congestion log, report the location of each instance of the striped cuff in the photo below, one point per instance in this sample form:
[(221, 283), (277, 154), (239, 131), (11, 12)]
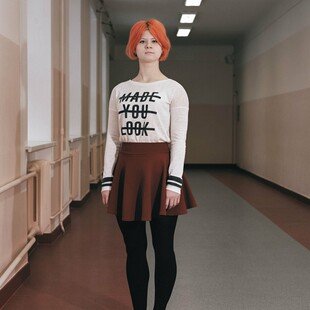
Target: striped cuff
[(174, 183), (106, 183)]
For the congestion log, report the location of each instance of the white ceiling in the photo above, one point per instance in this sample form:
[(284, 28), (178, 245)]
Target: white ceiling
[(217, 21)]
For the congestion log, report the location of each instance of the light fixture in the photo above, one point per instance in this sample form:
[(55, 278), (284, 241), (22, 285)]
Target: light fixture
[(192, 2), (183, 32), (187, 18)]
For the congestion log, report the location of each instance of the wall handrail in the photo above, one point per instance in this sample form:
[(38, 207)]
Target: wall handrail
[(60, 159), (16, 261), (17, 181)]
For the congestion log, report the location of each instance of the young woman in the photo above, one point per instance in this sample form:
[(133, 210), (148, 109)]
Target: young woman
[(143, 177)]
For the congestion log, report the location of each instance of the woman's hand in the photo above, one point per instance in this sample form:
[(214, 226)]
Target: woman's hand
[(172, 199), (105, 196)]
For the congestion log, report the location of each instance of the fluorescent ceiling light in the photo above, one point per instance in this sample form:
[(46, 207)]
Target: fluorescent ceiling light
[(192, 2), (187, 18), (182, 32)]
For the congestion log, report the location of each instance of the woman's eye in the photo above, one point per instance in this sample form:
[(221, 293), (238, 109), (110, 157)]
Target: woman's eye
[(154, 41)]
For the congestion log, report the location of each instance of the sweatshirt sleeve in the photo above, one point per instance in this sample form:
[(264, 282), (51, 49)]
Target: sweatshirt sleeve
[(112, 144), (179, 109)]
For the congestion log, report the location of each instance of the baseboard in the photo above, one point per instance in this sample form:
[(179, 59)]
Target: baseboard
[(8, 290), (80, 203), (50, 237)]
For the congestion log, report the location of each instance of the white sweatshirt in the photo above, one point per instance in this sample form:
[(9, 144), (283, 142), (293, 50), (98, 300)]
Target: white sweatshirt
[(148, 112)]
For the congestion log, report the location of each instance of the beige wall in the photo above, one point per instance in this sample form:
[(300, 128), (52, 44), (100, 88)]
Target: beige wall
[(208, 82), (273, 82), (13, 202)]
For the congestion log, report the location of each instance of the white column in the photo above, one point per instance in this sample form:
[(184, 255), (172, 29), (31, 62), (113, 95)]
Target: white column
[(93, 73), (75, 69), (39, 70), (105, 80)]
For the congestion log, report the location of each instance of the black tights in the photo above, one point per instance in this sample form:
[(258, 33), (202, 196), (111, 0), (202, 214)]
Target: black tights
[(134, 235)]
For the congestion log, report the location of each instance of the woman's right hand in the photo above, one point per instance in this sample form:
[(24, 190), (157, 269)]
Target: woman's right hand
[(105, 196)]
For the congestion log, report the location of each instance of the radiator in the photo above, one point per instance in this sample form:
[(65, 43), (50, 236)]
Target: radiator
[(75, 173), (39, 194), (93, 165)]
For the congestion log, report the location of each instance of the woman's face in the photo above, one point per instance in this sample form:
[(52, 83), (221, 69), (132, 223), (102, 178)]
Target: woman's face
[(148, 48)]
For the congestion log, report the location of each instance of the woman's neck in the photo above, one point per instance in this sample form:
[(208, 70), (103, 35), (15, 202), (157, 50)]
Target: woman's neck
[(149, 72)]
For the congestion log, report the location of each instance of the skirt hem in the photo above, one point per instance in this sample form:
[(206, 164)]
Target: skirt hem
[(143, 219)]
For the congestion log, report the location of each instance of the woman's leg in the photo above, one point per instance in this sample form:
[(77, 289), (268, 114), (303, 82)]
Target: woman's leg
[(165, 262), (137, 269)]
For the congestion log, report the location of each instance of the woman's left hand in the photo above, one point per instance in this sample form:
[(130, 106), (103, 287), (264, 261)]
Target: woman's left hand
[(172, 199)]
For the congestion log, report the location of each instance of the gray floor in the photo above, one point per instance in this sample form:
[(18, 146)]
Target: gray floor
[(231, 257)]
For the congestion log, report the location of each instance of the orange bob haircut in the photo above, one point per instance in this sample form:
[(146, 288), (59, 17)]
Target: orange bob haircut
[(156, 28)]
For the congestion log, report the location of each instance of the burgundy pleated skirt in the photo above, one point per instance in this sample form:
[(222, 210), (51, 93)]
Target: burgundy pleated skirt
[(138, 190)]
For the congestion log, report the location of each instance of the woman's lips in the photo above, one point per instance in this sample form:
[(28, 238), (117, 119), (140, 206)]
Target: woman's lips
[(149, 53)]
